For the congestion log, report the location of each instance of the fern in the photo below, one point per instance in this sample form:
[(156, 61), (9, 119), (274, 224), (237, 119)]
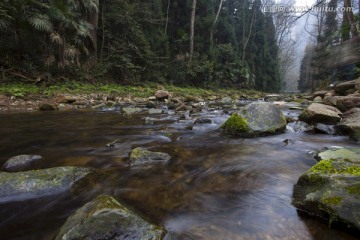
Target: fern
[(56, 38), (41, 22)]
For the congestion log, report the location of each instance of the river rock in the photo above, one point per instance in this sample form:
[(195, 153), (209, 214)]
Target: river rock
[(350, 124), (323, 128), (299, 126), (345, 103), (20, 161), (105, 218), (161, 94), (320, 113), (38, 183), (320, 94), (131, 110), (258, 118), (273, 97), (140, 156), (342, 88), (203, 121), (318, 99), (155, 111), (331, 189), (352, 154), (47, 107)]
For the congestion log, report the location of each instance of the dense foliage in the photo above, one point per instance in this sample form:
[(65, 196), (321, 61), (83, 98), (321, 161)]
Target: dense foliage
[(132, 41)]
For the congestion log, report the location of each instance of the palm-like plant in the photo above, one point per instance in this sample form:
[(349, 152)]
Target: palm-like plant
[(59, 29)]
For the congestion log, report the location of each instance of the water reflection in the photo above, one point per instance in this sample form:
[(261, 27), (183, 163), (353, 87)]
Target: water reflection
[(214, 187)]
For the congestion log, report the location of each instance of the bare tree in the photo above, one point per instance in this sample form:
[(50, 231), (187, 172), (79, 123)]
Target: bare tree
[(215, 21)]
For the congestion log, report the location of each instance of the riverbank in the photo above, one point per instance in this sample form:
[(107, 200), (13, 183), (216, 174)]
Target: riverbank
[(77, 96)]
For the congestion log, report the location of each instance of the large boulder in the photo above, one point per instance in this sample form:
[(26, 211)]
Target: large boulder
[(20, 162), (350, 124), (320, 113), (141, 156), (345, 103), (105, 218), (256, 119), (331, 188), (343, 88), (38, 183)]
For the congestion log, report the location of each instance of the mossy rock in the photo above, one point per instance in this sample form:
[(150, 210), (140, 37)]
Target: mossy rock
[(39, 183), (331, 189), (256, 119), (106, 218), (141, 156), (350, 154)]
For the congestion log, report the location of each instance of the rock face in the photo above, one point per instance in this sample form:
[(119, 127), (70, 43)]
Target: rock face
[(256, 119), (20, 162), (350, 124), (320, 113), (140, 156), (34, 184), (105, 218), (331, 188)]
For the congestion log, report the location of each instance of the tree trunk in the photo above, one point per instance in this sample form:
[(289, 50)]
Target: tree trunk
[(93, 20), (192, 30), (246, 41), (167, 16), (351, 18), (213, 26)]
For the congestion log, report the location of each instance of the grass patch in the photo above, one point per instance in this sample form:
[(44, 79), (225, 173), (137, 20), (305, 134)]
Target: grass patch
[(73, 87)]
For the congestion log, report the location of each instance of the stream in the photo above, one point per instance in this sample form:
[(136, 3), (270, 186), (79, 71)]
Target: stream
[(215, 186)]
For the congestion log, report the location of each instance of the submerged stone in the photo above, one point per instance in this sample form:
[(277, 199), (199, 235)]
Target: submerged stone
[(331, 188), (256, 119), (39, 183), (105, 218), (131, 110), (141, 156)]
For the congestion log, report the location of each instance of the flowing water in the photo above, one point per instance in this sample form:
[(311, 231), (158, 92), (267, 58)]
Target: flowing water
[(214, 187)]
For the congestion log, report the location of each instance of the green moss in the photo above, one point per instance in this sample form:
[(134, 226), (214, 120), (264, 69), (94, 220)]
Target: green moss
[(331, 200), (355, 189), (335, 167), (323, 166), (236, 125)]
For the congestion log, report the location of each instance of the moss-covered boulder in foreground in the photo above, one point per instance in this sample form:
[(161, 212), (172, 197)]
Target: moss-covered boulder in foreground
[(256, 119), (106, 218), (38, 183), (331, 188)]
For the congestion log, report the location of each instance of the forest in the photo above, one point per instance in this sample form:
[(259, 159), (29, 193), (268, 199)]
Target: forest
[(332, 53), (209, 44)]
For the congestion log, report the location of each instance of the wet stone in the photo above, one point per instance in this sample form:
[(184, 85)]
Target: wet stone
[(20, 162), (39, 183), (141, 156), (106, 218)]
